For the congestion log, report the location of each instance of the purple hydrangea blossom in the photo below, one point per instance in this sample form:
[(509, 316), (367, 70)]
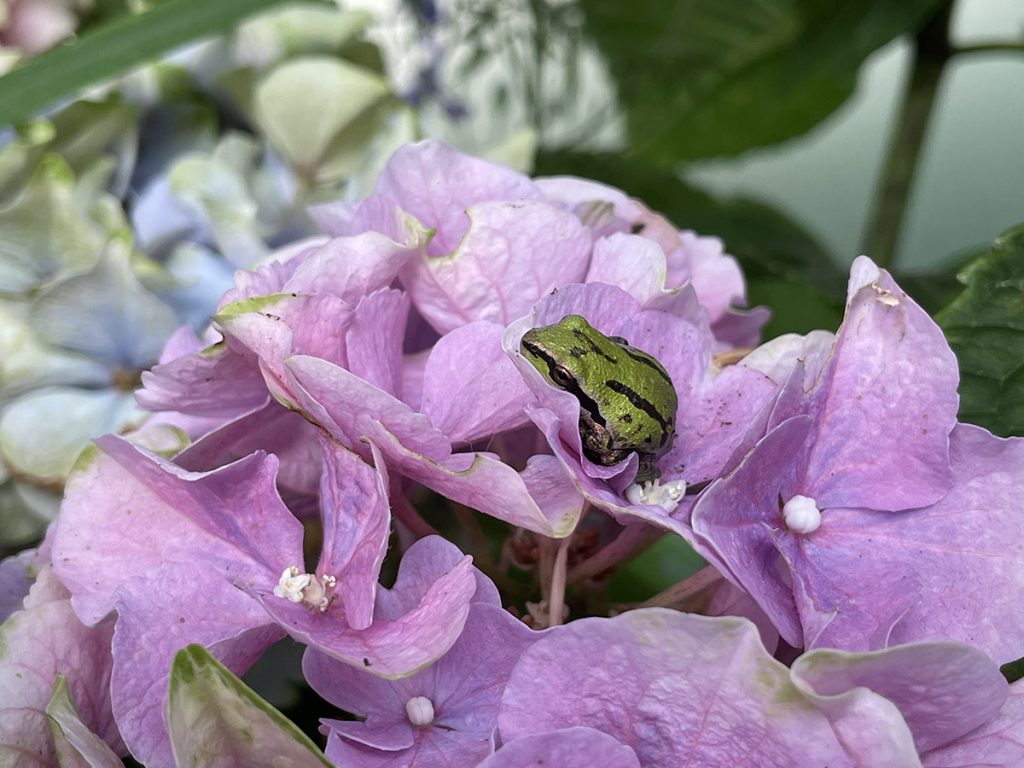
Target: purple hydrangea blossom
[(672, 686), (844, 505), (861, 518), (502, 241), (444, 715), (220, 552), (352, 380)]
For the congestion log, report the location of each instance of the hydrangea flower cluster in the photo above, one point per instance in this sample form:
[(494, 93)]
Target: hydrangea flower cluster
[(865, 547)]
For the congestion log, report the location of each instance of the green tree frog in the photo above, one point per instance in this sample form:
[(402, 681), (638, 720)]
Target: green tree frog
[(627, 400)]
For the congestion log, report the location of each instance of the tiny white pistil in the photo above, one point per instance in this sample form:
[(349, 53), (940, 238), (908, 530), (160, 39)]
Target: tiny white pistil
[(298, 587), (420, 711), (667, 495), (801, 514)]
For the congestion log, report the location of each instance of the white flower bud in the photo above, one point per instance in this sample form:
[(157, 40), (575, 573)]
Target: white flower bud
[(420, 711), (801, 514)]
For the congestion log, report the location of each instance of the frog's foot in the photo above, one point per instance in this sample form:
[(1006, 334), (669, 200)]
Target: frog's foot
[(658, 494)]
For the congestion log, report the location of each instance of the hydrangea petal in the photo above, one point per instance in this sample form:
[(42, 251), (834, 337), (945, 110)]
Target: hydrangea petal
[(716, 277), (608, 210), (672, 686), (436, 184), (888, 391), (310, 85), (275, 326), (271, 428), (464, 687), (47, 234), (470, 388), (346, 404), (221, 380), (917, 575), (999, 743), (730, 600), (159, 613), (512, 254), (723, 418), (567, 748), (943, 690), (351, 409), (373, 340), (393, 646), (127, 511), (352, 267), (37, 645), (202, 276), (633, 263), (28, 363), (738, 328), (356, 526), (15, 579), (735, 515)]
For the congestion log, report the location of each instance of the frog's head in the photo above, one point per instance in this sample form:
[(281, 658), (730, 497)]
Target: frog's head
[(568, 353)]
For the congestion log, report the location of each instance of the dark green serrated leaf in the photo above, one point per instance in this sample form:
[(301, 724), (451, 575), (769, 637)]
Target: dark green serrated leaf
[(114, 48), (985, 328), (701, 78)]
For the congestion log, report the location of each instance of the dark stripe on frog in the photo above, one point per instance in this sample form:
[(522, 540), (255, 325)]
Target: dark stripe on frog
[(638, 401), (586, 402), (649, 362), (593, 345)]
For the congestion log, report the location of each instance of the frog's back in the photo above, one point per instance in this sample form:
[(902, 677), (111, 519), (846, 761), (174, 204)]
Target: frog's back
[(651, 397)]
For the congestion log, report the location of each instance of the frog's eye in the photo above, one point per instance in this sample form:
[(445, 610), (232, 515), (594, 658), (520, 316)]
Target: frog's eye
[(561, 376)]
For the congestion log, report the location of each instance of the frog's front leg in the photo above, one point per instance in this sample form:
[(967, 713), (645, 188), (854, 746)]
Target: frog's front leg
[(598, 442)]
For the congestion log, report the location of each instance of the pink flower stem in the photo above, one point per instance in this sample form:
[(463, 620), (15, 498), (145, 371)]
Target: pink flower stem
[(556, 601)]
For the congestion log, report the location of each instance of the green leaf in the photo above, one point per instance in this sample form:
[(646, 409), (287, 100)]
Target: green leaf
[(700, 78), (215, 719), (985, 328), (123, 43)]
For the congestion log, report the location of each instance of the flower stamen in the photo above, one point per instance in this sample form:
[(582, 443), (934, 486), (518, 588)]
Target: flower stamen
[(658, 494), (306, 588)]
